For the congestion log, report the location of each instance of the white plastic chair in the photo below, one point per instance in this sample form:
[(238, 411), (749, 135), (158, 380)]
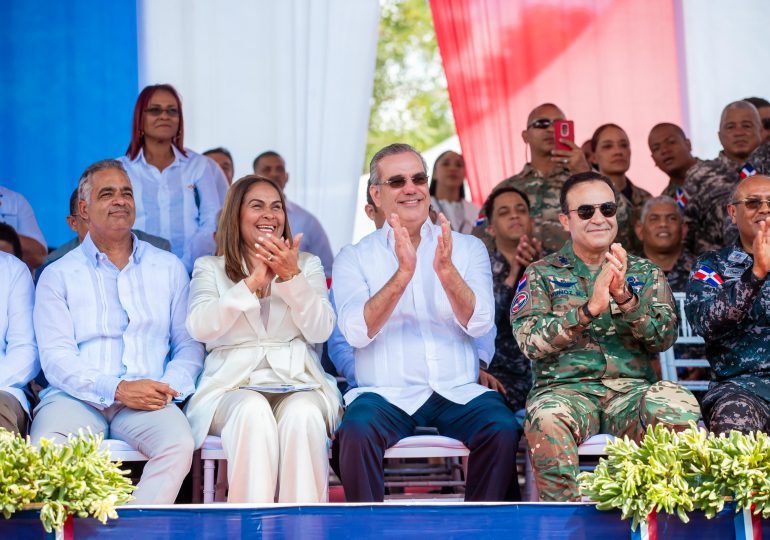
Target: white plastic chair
[(668, 361)]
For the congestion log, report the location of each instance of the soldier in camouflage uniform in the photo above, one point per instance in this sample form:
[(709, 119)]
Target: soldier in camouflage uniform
[(542, 178), (760, 159), (661, 230), (710, 184), (671, 151), (591, 319), (728, 303), (507, 210)]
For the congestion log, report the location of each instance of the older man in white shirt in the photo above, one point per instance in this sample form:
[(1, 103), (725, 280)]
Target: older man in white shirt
[(18, 352), (110, 319), (411, 297)]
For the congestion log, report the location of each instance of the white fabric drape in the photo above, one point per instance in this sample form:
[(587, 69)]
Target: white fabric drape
[(294, 76)]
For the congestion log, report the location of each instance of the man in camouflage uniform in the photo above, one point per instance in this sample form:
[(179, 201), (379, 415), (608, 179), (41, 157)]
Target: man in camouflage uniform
[(710, 184), (507, 210), (728, 303), (671, 151), (661, 229), (591, 318), (542, 178)]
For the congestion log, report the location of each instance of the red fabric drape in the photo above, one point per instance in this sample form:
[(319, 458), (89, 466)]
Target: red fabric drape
[(599, 60)]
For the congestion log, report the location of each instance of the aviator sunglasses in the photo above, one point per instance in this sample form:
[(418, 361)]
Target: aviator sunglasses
[(587, 211), (753, 204), (397, 182)]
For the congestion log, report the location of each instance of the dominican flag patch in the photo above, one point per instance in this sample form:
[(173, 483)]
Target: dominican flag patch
[(481, 220), (748, 170), (706, 274), (519, 302), (522, 283), (680, 197)]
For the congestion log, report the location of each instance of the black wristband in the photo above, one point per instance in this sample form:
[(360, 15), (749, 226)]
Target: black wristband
[(587, 312)]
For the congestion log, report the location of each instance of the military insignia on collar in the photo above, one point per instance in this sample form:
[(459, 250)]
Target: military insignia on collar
[(707, 275), (563, 260), (519, 302), (522, 283), (680, 198), (634, 283)]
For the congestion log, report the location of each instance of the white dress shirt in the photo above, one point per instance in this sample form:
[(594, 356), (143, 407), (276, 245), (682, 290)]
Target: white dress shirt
[(167, 204), (18, 352), (17, 212), (314, 239), (422, 348), (98, 325)]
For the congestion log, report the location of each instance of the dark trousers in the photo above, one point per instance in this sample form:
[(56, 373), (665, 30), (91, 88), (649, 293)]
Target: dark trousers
[(371, 425)]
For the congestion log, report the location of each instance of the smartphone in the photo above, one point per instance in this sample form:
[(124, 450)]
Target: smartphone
[(563, 129)]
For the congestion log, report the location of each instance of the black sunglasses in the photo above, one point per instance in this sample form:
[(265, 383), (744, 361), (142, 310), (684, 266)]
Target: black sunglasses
[(541, 123), (587, 211), (399, 181), (173, 112)]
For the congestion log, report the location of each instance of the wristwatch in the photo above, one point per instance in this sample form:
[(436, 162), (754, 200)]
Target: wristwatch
[(626, 300)]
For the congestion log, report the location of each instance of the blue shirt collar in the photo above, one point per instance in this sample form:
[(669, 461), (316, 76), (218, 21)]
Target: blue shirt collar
[(179, 157), (93, 255)]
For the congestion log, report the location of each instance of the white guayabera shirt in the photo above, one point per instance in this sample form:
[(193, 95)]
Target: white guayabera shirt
[(422, 348)]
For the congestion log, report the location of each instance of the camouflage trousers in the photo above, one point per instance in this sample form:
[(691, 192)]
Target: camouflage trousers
[(560, 418), (728, 406)]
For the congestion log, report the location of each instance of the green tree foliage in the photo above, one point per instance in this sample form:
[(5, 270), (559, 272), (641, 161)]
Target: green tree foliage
[(409, 100)]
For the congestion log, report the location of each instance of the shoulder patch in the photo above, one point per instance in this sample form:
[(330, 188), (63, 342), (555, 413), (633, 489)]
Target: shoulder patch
[(519, 302), (707, 275)]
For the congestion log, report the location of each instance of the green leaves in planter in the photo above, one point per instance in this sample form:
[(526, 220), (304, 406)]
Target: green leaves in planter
[(680, 472), (71, 478)]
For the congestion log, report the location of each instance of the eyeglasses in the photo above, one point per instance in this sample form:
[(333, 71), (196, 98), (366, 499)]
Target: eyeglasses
[(753, 204), (541, 123), (587, 211), (173, 112), (397, 182)]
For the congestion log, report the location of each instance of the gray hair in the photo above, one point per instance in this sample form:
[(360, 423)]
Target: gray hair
[(742, 104), (660, 199), (390, 150), (86, 182)]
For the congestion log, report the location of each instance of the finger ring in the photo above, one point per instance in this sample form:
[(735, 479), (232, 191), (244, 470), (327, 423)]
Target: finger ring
[(270, 257), (565, 160)]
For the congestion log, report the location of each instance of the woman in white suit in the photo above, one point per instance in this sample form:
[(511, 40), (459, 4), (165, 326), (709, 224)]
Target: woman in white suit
[(259, 306)]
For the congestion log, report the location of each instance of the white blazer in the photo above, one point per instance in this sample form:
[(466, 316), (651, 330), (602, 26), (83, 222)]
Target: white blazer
[(226, 317)]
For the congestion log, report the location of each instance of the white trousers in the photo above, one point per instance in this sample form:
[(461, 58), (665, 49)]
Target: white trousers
[(276, 446), (163, 436)]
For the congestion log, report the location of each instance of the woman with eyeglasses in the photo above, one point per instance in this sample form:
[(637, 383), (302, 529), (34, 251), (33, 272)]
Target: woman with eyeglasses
[(260, 307), (612, 155), (178, 192), (447, 192)]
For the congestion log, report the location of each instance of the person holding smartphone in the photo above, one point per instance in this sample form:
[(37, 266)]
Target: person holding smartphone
[(541, 179)]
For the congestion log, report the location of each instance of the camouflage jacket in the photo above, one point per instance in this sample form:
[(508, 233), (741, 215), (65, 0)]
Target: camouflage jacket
[(543, 192), (677, 191), (730, 308), (615, 348), (760, 159), (509, 365), (679, 275), (630, 203), (709, 186)]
